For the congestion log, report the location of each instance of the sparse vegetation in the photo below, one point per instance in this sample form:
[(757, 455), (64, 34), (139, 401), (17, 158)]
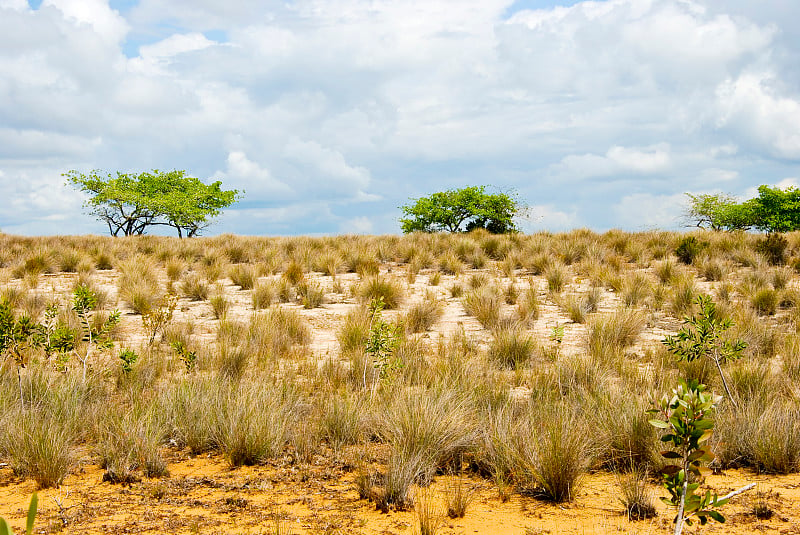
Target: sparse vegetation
[(538, 383)]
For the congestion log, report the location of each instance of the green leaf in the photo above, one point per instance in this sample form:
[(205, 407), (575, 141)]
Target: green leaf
[(5, 529), (661, 424), (32, 514), (716, 515)]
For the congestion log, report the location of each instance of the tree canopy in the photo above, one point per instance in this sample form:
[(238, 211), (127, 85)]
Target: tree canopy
[(774, 210), (129, 203), (719, 212), (777, 210), (457, 210)]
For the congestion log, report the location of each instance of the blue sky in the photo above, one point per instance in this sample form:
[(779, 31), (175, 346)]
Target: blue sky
[(332, 113)]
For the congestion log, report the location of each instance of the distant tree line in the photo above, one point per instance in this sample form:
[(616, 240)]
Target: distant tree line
[(774, 210), (129, 203)]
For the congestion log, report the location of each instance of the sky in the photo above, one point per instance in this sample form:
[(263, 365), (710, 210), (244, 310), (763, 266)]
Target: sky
[(331, 114)]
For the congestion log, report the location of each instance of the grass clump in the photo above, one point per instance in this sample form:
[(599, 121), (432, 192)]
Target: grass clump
[(194, 287), (511, 347), (423, 315), (484, 305), (252, 422), (243, 275), (610, 334), (636, 496), (264, 294), (375, 288), (354, 331)]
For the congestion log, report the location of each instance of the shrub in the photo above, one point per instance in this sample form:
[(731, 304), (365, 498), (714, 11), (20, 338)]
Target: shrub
[(688, 249)]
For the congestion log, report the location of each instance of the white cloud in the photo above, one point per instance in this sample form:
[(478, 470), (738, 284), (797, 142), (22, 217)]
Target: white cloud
[(331, 104), (752, 107), (245, 174), (617, 159), (154, 59), (644, 211), (106, 22), (357, 225), (333, 172), (543, 216)]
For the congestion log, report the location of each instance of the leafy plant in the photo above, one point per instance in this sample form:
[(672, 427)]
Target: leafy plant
[(688, 249), (17, 336), (128, 358), (156, 319), (189, 358), (702, 337), (84, 303), (686, 419), (381, 342)]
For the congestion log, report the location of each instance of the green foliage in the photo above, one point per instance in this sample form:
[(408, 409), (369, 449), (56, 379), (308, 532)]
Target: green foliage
[(777, 210), (719, 212), (688, 249), (129, 203), (5, 529), (462, 209), (702, 337), (685, 418), (84, 303), (128, 358), (189, 358), (382, 341), (17, 335)]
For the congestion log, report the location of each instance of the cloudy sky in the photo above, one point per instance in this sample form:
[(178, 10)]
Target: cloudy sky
[(332, 113)]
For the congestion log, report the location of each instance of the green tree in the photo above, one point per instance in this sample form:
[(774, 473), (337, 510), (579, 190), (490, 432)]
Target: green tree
[(129, 203), (777, 210), (462, 209), (719, 212)]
